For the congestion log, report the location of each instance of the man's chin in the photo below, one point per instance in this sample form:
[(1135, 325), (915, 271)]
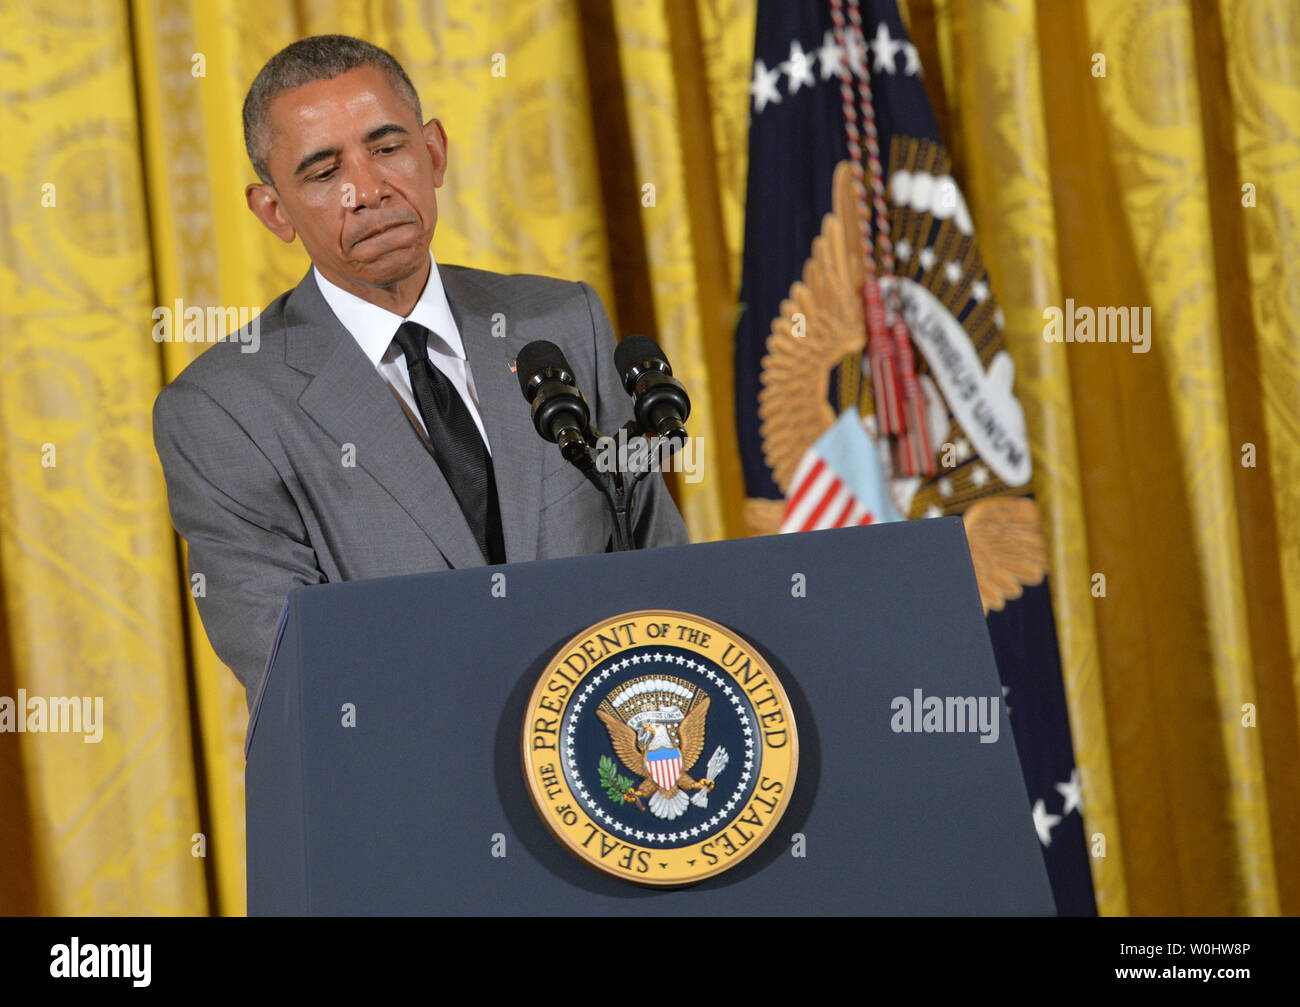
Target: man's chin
[(389, 267)]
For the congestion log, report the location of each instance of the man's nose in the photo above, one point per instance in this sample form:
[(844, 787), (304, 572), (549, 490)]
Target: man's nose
[(368, 177)]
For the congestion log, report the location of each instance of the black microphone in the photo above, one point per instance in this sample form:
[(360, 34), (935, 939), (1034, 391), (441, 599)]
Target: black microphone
[(660, 403), (560, 413)]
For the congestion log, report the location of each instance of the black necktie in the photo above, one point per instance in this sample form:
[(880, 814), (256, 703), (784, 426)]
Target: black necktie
[(457, 446)]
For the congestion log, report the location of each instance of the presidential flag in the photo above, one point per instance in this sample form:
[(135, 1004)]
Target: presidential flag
[(872, 378)]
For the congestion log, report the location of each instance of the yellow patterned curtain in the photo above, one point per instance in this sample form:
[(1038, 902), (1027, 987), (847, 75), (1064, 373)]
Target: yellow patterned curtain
[(1147, 153), (610, 145)]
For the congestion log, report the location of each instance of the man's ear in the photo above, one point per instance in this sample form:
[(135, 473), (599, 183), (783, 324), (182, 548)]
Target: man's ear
[(264, 201), (435, 138)]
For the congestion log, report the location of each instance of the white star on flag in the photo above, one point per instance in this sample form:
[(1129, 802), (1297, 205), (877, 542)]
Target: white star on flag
[(1044, 822), (913, 66), (1072, 793), (904, 249), (927, 258), (979, 475), (953, 272), (798, 68), (885, 48), (763, 86), (980, 291), (830, 55)]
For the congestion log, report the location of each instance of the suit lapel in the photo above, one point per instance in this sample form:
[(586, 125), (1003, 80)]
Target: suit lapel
[(351, 401), (516, 447)]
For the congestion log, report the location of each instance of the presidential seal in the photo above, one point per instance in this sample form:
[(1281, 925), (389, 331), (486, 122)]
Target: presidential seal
[(660, 748)]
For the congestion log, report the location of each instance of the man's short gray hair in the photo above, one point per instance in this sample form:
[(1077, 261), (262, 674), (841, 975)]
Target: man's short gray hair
[(320, 57)]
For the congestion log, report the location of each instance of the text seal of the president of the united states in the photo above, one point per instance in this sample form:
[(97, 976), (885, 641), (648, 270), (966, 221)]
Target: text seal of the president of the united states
[(660, 748)]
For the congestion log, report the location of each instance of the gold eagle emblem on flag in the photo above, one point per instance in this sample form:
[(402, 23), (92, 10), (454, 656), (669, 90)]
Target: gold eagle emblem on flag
[(820, 337)]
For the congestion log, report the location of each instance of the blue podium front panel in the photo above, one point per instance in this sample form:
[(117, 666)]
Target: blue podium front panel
[(384, 765)]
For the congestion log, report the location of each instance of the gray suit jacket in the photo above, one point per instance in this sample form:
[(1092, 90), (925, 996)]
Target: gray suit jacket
[(296, 464)]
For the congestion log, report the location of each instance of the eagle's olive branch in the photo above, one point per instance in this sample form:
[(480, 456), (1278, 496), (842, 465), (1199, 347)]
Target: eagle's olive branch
[(618, 787)]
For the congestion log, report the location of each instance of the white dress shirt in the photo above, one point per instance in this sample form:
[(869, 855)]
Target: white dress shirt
[(374, 327)]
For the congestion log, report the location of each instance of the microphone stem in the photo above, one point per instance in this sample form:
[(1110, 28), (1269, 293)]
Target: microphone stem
[(617, 487), (623, 514), (618, 500)]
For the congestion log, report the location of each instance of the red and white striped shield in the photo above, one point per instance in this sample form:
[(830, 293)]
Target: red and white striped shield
[(665, 767)]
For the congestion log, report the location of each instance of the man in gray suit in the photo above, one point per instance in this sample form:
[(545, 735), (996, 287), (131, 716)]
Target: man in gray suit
[(378, 428)]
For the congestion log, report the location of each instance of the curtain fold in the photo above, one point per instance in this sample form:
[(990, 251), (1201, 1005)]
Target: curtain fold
[(87, 556), (1252, 50)]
